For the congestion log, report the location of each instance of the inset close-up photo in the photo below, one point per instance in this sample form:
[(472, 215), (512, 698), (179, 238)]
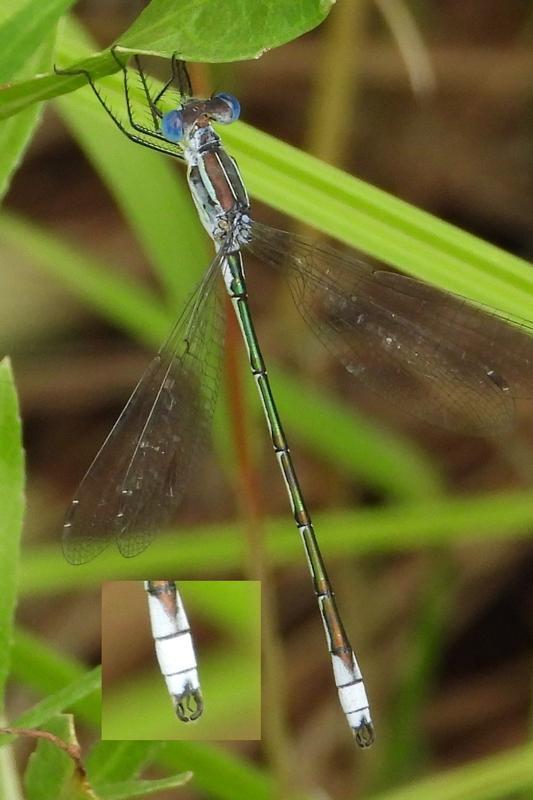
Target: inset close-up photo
[(181, 660)]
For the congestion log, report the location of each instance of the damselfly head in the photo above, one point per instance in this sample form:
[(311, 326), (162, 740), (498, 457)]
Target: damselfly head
[(222, 107)]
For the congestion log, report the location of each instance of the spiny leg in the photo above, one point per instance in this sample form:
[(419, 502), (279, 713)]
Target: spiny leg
[(155, 132), (154, 111), (184, 82), (169, 151), (178, 74), (174, 75)]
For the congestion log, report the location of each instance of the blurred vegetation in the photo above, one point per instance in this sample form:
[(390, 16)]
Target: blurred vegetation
[(427, 532)]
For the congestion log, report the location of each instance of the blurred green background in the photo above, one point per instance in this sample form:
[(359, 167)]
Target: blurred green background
[(426, 532)]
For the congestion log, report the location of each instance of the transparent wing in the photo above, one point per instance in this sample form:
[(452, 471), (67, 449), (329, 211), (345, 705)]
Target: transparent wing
[(140, 473), (442, 358)]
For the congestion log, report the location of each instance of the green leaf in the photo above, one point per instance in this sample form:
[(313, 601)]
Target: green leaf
[(12, 510), (51, 771), (22, 33), (57, 702), (121, 791), (221, 30)]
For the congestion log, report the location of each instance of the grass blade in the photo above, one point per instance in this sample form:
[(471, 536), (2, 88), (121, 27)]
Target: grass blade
[(126, 789), (58, 701), (378, 223), (12, 505)]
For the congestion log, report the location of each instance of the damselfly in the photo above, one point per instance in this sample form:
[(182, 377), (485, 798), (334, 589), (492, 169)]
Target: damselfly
[(397, 336), (174, 648)]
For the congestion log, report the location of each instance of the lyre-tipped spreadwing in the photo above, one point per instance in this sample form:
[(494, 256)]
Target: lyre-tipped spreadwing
[(394, 334), (175, 648)]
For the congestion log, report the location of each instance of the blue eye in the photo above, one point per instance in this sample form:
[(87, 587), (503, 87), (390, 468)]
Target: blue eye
[(233, 106), (172, 126)]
